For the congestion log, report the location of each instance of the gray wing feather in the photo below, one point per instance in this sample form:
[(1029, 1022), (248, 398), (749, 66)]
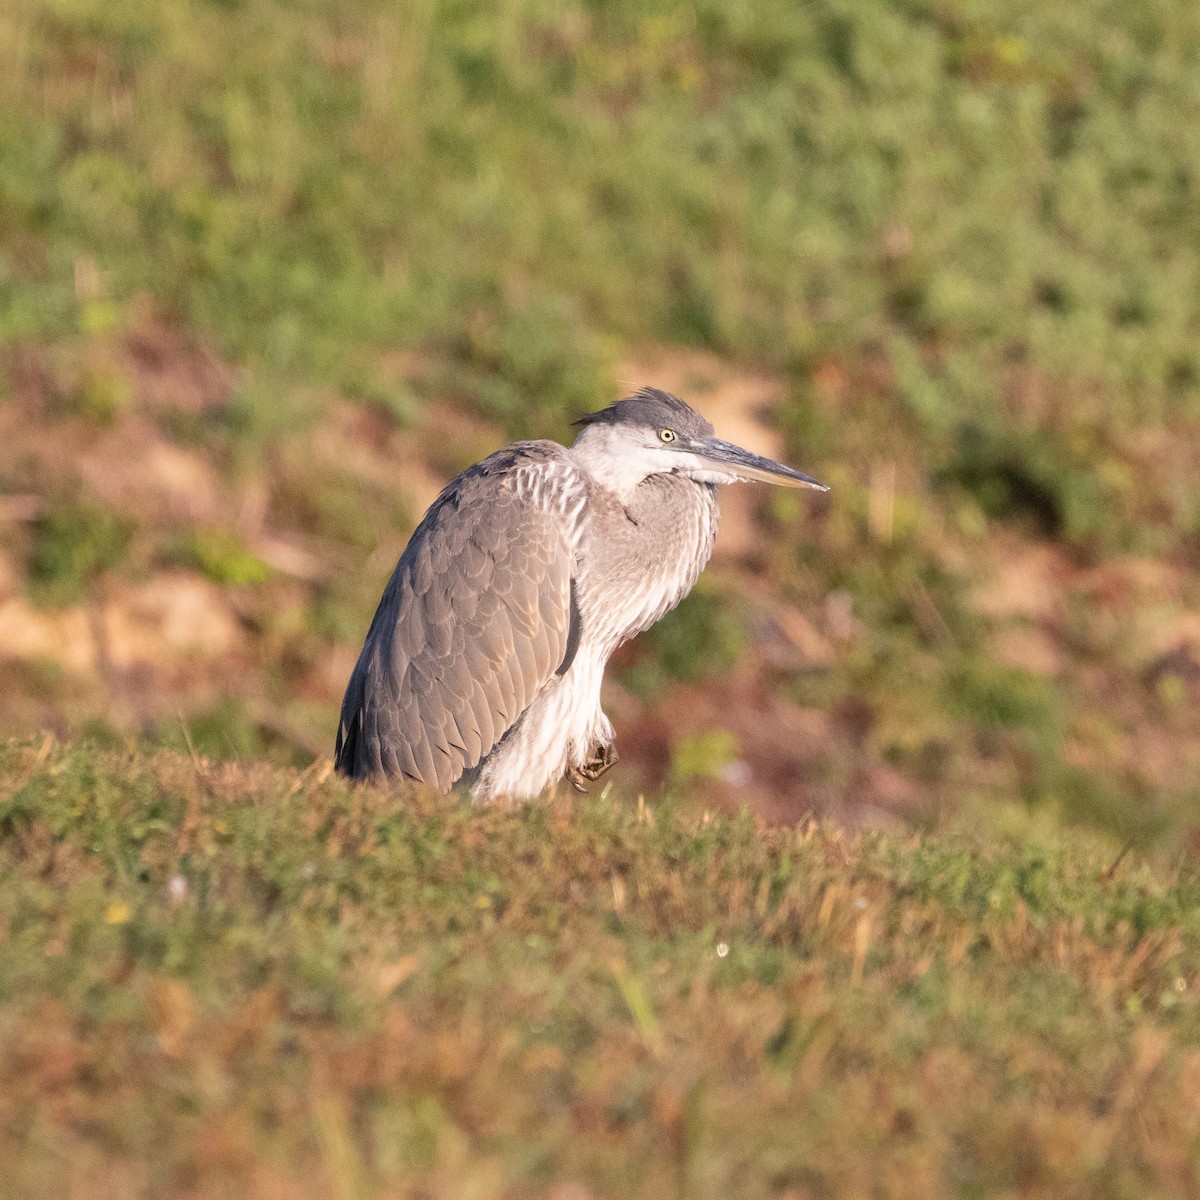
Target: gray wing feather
[(474, 622)]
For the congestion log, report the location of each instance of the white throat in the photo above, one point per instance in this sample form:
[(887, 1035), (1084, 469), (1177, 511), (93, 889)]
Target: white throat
[(613, 463)]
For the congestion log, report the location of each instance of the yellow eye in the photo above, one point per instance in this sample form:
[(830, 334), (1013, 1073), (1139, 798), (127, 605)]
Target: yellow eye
[(666, 435)]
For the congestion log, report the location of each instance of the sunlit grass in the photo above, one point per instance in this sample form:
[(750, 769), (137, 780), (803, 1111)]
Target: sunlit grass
[(222, 978)]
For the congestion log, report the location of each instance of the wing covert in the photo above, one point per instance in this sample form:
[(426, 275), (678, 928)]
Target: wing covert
[(475, 620)]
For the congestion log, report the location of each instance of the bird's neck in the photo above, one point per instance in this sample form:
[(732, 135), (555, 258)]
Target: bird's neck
[(642, 557)]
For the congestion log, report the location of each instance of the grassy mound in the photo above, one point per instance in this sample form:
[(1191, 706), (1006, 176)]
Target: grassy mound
[(222, 981)]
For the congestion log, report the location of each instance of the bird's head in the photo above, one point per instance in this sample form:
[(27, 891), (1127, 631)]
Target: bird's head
[(655, 433)]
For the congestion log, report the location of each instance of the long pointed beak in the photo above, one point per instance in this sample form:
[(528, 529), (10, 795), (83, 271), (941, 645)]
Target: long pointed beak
[(748, 466)]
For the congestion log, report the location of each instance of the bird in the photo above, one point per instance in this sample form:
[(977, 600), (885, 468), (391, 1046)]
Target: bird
[(482, 667)]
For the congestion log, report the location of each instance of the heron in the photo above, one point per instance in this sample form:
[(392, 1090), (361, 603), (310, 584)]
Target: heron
[(482, 666)]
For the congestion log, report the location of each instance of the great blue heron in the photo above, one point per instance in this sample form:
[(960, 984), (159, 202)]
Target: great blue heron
[(482, 666)]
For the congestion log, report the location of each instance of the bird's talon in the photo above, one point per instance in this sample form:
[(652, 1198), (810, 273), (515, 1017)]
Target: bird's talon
[(603, 760)]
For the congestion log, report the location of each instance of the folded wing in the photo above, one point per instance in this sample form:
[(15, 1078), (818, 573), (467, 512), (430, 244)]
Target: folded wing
[(474, 622)]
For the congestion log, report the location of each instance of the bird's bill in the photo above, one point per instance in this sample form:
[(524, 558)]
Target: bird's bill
[(748, 466)]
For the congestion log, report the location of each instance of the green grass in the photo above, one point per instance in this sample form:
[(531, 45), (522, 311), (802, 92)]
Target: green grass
[(238, 981)]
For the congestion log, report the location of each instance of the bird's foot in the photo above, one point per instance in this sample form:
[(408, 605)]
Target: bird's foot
[(603, 760)]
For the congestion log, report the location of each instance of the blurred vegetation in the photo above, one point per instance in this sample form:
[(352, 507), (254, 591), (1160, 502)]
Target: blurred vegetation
[(253, 982), (699, 641), (221, 556), (997, 201), (75, 540), (323, 248), (707, 755)]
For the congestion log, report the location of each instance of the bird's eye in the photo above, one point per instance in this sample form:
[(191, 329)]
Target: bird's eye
[(666, 435)]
